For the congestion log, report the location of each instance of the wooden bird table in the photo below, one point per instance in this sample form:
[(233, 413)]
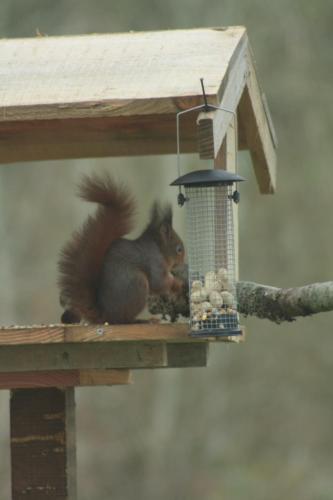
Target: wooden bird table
[(112, 95), (41, 365)]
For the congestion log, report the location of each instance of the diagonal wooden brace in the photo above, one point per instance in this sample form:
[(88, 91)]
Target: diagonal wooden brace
[(256, 132)]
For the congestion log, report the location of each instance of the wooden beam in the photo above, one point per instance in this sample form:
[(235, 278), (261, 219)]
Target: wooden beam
[(36, 140), (48, 334), (257, 131), (92, 356), (15, 361), (187, 355), (42, 443), (64, 378), (59, 334), (56, 364)]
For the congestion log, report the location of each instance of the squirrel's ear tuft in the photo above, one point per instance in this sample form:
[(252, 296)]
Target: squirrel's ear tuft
[(154, 214), (167, 215), (161, 215), (161, 220)]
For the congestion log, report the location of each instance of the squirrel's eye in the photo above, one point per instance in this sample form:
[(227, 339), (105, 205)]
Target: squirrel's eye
[(179, 249)]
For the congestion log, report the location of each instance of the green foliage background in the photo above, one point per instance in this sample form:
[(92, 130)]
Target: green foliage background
[(258, 422)]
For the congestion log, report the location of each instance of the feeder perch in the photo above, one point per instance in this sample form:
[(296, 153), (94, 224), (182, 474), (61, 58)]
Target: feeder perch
[(208, 199)]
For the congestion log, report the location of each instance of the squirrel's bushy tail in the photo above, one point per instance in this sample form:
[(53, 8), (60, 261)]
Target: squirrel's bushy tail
[(82, 257)]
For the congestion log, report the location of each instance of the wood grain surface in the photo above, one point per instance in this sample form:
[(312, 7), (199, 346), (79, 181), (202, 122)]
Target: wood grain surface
[(55, 334), (64, 378), (122, 74), (42, 443)]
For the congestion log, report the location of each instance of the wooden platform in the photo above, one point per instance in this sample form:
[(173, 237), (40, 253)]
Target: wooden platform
[(42, 364), (78, 355)]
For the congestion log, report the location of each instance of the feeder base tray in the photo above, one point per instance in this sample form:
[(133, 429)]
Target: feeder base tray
[(216, 325), (215, 333)]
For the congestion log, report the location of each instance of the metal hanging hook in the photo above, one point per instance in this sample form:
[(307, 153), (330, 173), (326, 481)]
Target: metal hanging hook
[(204, 94), (206, 107)]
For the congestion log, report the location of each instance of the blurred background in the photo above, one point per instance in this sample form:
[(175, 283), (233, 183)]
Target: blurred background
[(258, 422)]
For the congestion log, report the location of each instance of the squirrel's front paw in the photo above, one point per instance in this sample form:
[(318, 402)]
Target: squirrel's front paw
[(176, 286)]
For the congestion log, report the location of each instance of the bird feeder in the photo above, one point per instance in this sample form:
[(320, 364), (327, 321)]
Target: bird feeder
[(209, 195)]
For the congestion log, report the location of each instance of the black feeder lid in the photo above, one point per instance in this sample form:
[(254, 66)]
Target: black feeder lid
[(206, 178)]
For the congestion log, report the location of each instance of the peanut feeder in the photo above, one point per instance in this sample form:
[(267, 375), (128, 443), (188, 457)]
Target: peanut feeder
[(208, 200)]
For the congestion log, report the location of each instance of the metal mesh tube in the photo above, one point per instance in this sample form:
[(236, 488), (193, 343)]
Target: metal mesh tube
[(211, 254)]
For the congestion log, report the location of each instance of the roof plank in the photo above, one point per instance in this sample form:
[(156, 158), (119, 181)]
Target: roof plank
[(121, 74)]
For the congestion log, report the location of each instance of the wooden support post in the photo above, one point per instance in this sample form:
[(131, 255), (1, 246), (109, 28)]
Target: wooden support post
[(226, 159), (42, 441)]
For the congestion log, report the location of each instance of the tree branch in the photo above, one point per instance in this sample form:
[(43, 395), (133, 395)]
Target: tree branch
[(284, 304), (267, 302)]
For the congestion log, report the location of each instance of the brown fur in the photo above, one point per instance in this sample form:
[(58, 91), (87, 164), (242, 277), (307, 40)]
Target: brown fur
[(82, 257), (105, 277)]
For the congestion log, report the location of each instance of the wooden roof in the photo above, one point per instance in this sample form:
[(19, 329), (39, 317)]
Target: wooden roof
[(118, 94)]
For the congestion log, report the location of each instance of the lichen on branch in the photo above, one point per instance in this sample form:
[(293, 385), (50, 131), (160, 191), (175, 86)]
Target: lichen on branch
[(284, 304), (266, 302)]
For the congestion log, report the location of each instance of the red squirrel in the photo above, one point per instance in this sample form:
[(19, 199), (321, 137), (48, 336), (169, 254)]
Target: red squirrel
[(107, 278)]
